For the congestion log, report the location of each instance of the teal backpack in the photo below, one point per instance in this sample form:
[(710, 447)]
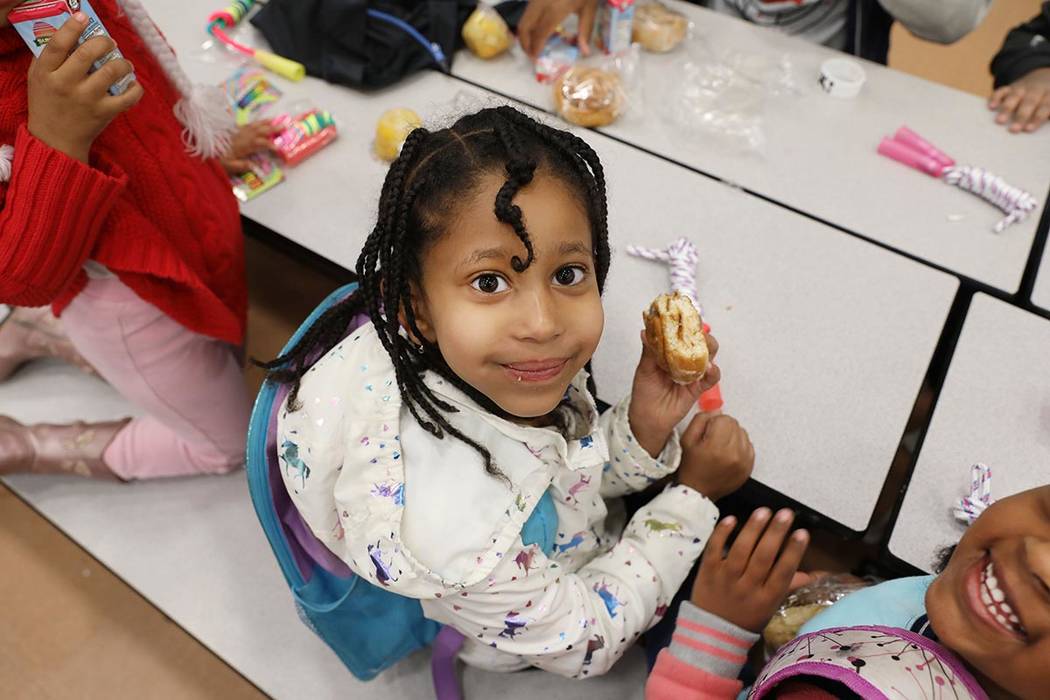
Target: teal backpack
[(369, 628)]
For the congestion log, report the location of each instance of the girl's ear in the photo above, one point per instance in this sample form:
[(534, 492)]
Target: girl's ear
[(422, 313)]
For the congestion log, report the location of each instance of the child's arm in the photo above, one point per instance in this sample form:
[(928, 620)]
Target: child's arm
[(640, 430), (703, 661), (52, 213), (1022, 76), (579, 624), (55, 204), (734, 596), (943, 21), (249, 139)]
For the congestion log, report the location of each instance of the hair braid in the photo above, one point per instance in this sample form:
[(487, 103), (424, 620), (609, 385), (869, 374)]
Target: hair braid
[(396, 294), (520, 172), (589, 168)]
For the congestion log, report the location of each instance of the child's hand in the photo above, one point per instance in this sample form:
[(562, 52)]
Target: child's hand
[(747, 586), (68, 108), (717, 455), (542, 17), (1026, 101), (659, 404), (249, 139)]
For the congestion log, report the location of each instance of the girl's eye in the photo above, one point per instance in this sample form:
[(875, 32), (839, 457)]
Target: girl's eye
[(489, 284), (569, 275)]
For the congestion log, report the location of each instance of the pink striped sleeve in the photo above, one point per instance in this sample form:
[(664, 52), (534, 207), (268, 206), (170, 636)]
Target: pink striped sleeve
[(704, 659), (673, 679)]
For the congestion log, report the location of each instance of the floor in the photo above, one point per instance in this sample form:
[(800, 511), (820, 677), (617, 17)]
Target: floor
[(70, 628)]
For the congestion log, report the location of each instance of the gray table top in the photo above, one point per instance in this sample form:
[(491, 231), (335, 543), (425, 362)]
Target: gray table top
[(994, 408), (819, 156), (794, 305)]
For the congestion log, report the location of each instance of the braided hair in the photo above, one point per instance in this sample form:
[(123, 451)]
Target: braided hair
[(434, 174)]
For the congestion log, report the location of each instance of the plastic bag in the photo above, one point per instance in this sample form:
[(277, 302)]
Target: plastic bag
[(486, 34), (775, 74), (721, 96), (657, 28), (556, 57), (805, 603), (250, 93), (598, 92)]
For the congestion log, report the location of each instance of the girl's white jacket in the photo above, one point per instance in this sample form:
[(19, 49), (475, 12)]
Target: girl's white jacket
[(420, 516)]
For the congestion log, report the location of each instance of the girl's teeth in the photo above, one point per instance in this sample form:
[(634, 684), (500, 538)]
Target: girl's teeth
[(995, 601)]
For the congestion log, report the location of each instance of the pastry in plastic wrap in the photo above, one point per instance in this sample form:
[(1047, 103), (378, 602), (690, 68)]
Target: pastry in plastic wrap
[(589, 96), (805, 603), (657, 28), (393, 128), (675, 333), (486, 34)]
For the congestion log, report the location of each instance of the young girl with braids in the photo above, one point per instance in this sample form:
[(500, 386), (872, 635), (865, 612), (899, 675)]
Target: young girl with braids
[(418, 447), (116, 213)]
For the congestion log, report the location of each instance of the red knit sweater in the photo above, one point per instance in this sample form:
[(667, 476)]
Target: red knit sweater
[(164, 222)]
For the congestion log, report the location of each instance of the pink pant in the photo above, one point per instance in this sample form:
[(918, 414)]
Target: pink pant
[(191, 387)]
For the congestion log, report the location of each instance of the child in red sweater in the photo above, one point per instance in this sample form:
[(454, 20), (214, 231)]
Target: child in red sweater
[(116, 213)]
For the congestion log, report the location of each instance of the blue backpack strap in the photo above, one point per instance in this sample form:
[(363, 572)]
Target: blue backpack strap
[(542, 526)]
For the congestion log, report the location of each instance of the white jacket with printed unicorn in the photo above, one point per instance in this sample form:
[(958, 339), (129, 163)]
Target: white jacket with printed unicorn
[(420, 516)]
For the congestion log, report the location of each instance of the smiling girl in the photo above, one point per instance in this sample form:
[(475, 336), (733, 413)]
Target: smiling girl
[(425, 441)]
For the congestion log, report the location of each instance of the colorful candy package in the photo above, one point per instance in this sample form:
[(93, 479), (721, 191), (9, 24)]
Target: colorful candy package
[(250, 93), (303, 135), (264, 176)]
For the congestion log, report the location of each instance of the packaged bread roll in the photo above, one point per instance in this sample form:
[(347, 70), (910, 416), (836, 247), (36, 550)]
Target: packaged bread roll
[(589, 96), (806, 603), (657, 28)]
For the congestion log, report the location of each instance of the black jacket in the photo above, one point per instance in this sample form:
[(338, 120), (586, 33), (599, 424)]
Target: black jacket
[(1026, 48)]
